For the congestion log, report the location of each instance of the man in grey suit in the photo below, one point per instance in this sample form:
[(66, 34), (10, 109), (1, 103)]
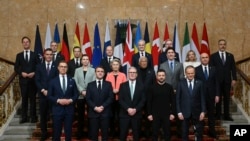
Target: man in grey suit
[(174, 69), (82, 76)]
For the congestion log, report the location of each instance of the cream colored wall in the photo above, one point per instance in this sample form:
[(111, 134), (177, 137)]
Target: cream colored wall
[(227, 19)]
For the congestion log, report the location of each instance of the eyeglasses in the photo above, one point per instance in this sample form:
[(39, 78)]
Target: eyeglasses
[(132, 72)]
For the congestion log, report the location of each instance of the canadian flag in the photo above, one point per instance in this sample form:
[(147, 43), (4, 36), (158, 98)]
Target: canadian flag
[(156, 47)]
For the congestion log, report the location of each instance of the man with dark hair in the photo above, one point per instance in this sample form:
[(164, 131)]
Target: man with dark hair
[(161, 105), (226, 74), (25, 66), (57, 56), (45, 72), (99, 98), (75, 62)]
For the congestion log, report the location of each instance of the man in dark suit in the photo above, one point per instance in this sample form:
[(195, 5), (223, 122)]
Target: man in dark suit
[(141, 52), (62, 93), (226, 74), (163, 55), (45, 72), (132, 100), (161, 105), (147, 76), (25, 66), (75, 63), (191, 104), (207, 74), (99, 98), (105, 62), (57, 56)]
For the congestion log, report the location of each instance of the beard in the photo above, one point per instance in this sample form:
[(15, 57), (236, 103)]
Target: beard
[(161, 81)]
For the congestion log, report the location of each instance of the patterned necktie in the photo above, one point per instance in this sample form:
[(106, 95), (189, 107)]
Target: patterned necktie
[(132, 89), (190, 87), (99, 87), (206, 73), (63, 84), (48, 69)]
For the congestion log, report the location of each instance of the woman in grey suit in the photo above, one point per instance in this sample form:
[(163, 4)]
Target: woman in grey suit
[(83, 76)]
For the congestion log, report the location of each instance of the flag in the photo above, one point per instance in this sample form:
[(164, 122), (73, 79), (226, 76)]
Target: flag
[(156, 47), (186, 43), (48, 38), (146, 38), (137, 37), (166, 35), (38, 48), (128, 49), (194, 44), (107, 40), (176, 42), (118, 49), (97, 52), (86, 47), (57, 38), (65, 44), (204, 41), (76, 40)]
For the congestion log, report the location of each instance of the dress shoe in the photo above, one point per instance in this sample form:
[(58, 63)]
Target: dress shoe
[(23, 120), (228, 119)]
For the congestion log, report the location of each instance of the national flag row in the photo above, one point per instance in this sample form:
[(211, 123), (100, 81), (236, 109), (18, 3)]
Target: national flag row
[(124, 53)]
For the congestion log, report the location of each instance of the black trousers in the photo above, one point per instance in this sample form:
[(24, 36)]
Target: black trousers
[(225, 93), (98, 123), (28, 93), (161, 122), (134, 123), (80, 109)]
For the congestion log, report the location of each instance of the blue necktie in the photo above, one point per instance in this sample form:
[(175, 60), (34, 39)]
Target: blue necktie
[(190, 87), (63, 84), (48, 70), (172, 66), (206, 73)]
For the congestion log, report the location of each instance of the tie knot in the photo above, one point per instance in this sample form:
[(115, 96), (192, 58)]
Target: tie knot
[(99, 82)]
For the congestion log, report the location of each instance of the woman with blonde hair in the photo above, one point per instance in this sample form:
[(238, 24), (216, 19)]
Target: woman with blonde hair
[(191, 59)]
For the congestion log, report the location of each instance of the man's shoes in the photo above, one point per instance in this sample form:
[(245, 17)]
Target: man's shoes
[(23, 120), (228, 119)]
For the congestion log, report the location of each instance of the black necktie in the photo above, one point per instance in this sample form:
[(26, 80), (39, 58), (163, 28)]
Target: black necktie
[(142, 54), (26, 56), (63, 84), (77, 62), (99, 87), (206, 73), (190, 87), (48, 69), (223, 58), (109, 58)]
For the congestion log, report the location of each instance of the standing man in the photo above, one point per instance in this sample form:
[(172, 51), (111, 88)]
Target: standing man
[(132, 99), (25, 66), (63, 94), (75, 62), (207, 74), (45, 72), (83, 76), (106, 61), (174, 69), (226, 74), (57, 56), (163, 56), (99, 98), (141, 52), (161, 105), (190, 104)]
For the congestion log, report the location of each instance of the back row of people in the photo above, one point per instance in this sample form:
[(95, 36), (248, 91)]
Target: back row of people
[(26, 63)]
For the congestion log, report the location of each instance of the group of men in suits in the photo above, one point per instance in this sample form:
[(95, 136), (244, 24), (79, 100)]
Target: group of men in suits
[(60, 85)]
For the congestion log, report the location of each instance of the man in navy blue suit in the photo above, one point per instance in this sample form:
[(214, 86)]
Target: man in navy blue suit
[(45, 72), (190, 104), (99, 97), (207, 74), (62, 93), (57, 56)]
